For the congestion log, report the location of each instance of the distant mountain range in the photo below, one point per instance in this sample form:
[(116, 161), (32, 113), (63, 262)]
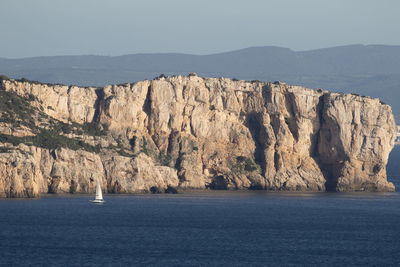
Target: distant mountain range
[(372, 70)]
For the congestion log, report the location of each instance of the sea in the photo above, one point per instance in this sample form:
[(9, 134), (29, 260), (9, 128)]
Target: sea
[(208, 228)]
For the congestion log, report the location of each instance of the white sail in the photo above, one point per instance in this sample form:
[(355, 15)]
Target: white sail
[(99, 194)]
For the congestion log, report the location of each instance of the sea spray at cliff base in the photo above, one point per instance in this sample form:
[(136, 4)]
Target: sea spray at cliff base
[(189, 132)]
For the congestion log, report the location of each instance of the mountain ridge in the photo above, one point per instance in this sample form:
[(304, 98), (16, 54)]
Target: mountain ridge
[(222, 52), (363, 69)]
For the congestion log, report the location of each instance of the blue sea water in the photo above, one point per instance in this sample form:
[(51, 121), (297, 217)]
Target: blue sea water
[(205, 229), (216, 228)]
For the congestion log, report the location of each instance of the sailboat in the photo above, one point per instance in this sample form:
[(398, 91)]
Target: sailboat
[(99, 194)]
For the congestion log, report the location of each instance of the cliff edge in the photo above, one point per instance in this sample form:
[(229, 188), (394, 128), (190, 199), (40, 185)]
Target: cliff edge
[(190, 132)]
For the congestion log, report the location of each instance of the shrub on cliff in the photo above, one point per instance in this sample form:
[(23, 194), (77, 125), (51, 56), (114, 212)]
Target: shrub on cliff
[(3, 77), (164, 159), (244, 164), (16, 110)]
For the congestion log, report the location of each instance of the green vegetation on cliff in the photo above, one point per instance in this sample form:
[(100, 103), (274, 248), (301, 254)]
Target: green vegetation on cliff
[(48, 139), (17, 111)]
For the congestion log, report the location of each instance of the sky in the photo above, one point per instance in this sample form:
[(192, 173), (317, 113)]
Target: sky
[(31, 28)]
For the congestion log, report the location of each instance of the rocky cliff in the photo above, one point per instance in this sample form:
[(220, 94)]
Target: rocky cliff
[(190, 132)]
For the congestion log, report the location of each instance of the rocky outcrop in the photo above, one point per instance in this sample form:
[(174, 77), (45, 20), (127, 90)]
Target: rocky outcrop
[(28, 171), (355, 141), (193, 132)]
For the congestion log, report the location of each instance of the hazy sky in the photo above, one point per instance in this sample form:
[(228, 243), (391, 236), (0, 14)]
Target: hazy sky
[(116, 27)]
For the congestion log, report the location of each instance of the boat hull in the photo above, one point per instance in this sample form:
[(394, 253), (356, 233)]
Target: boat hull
[(97, 201)]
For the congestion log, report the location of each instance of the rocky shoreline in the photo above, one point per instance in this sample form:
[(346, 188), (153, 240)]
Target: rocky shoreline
[(188, 132)]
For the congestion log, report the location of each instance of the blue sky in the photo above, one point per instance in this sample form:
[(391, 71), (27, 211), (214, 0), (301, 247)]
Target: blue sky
[(75, 27)]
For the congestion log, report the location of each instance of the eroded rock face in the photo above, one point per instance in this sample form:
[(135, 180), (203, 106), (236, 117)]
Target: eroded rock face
[(192, 132), (66, 103), (20, 173), (355, 141)]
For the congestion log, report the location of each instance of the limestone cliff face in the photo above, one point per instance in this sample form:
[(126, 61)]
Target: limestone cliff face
[(192, 132)]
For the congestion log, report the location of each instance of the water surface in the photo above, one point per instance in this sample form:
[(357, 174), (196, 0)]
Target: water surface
[(209, 228)]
